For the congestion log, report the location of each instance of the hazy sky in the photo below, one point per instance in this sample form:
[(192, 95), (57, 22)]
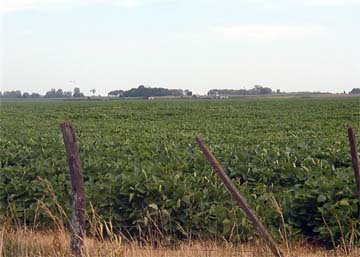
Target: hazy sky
[(190, 44)]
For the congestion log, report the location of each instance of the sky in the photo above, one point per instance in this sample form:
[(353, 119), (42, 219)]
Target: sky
[(304, 45)]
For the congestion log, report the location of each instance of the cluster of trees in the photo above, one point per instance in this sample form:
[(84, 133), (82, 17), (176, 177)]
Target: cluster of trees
[(53, 93), (256, 90), (355, 91), (18, 94), (143, 91)]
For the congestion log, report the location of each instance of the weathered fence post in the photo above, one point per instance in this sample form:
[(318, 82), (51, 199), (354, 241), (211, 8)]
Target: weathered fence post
[(78, 190), (238, 197), (355, 162)]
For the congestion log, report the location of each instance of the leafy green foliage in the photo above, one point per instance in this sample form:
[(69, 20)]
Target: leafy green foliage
[(143, 170)]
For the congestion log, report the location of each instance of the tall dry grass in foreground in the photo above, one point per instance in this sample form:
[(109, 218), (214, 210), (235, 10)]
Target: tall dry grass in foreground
[(28, 243), (21, 240)]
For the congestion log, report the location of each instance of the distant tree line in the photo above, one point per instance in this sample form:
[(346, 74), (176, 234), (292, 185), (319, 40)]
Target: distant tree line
[(53, 93), (18, 94), (355, 91), (143, 91), (256, 90)]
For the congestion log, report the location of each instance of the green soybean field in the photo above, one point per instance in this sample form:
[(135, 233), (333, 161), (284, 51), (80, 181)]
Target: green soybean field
[(144, 173)]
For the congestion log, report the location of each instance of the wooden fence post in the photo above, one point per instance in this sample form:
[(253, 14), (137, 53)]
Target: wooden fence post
[(78, 190), (238, 197), (355, 162)]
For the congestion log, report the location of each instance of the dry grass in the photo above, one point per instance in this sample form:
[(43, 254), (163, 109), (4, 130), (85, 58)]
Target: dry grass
[(19, 240), (26, 243)]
